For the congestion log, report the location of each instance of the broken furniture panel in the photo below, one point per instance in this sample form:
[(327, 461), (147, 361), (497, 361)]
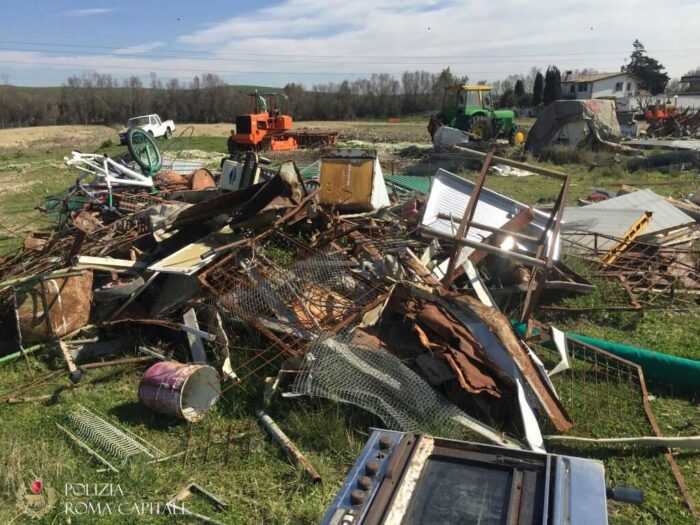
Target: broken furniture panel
[(51, 307), (352, 180)]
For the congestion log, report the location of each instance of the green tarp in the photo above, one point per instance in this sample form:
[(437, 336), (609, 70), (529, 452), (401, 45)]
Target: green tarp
[(664, 368)]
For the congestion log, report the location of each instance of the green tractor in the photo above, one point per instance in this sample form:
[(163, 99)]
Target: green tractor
[(469, 108)]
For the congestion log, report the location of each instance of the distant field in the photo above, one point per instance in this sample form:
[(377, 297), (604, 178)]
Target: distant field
[(91, 137)]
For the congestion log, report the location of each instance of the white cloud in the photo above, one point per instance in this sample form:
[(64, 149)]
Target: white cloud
[(310, 41), (492, 39), (91, 11), (138, 49)]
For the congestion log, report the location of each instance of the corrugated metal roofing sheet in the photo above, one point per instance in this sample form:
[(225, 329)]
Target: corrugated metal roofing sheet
[(611, 222), (410, 182), (181, 166), (449, 194), (665, 216)]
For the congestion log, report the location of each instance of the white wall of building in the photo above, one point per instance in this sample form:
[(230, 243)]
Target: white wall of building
[(607, 87)]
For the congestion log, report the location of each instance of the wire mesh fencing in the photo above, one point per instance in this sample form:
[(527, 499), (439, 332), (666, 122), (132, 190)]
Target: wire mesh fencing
[(377, 381), (606, 397), (289, 293)]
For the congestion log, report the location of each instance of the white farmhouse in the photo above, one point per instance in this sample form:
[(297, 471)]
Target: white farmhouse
[(613, 85)]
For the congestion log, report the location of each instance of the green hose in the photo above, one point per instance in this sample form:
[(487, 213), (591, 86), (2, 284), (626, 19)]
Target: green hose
[(11, 357)]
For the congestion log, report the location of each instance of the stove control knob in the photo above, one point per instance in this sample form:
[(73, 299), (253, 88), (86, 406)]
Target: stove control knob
[(357, 497), (372, 468), (364, 483), (384, 443)]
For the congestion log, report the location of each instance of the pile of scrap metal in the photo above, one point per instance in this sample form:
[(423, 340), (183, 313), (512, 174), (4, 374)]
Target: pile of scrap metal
[(685, 123), (298, 261), (389, 305), (643, 242)]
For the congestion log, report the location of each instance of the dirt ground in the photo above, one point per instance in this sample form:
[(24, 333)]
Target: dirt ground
[(50, 137), (365, 131)]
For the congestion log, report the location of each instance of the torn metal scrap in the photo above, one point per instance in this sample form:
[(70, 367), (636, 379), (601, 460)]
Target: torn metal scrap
[(477, 343), (176, 506)]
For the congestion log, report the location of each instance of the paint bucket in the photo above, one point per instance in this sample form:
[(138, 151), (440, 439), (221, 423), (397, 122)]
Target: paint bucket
[(184, 391)]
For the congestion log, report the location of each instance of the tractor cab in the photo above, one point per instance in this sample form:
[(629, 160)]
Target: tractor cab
[(469, 107)]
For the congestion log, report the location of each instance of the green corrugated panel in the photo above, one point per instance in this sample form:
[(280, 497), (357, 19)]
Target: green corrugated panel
[(310, 172), (409, 182)]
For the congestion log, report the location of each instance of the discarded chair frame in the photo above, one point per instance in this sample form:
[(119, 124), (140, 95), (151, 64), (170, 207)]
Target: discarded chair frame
[(546, 244)]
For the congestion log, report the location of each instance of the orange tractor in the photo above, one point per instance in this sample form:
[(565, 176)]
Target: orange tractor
[(659, 111), (268, 129)]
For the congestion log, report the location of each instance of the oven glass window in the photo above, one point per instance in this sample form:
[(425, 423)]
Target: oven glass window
[(460, 492)]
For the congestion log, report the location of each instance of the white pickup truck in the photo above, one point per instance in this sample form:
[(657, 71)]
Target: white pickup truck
[(151, 124)]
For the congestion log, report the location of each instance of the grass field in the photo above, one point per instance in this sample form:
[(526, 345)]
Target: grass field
[(257, 480)]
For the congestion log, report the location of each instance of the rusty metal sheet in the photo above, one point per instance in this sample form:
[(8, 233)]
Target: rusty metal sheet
[(443, 336), (67, 300), (501, 327)]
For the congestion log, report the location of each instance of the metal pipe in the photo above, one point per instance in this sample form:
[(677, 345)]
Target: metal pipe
[(514, 163), (288, 446), (493, 229), (118, 362), (12, 357), (489, 249)]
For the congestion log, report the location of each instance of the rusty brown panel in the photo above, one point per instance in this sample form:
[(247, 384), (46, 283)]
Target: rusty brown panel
[(67, 301)]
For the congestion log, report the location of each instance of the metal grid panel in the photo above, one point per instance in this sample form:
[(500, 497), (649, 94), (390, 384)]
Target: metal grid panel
[(606, 397), (289, 292), (643, 276)]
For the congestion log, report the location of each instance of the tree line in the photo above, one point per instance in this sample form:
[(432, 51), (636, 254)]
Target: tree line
[(96, 98)]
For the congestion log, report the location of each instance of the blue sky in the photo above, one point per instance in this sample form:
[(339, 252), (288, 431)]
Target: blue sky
[(273, 42)]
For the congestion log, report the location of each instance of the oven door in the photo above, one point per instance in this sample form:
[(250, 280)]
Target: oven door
[(441, 482)]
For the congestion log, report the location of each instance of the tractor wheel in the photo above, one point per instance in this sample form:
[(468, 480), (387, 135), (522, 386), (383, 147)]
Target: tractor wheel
[(480, 129), (518, 136)]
